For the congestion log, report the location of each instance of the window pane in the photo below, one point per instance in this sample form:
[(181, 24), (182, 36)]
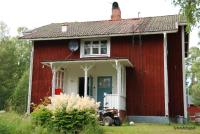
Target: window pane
[(104, 83), (104, 50), (87, 45), (103, 45), (87, 42), (104, 42), (95, 45), (95, 42), (95, 48), (87, 50), (95, 51)]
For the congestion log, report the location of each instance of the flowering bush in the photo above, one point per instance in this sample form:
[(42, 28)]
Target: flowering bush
[(67, 113), (72, 102)]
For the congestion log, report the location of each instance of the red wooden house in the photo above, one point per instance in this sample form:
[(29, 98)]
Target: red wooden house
[(133, 65)]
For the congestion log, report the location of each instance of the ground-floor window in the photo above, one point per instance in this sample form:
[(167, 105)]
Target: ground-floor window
[(59, 79)]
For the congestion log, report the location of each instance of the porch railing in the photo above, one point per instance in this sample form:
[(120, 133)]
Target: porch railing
[(115, 101)]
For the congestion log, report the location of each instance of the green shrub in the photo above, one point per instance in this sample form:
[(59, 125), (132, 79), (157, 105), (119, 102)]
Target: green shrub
[(67, 114), (41, 116), (73, 121), (65, 122)]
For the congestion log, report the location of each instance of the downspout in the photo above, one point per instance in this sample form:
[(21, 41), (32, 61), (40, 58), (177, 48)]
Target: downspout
[(30, 79), (166, 75), (183, 69)]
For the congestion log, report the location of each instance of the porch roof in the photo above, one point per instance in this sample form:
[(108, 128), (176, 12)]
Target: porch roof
[(124, 61)]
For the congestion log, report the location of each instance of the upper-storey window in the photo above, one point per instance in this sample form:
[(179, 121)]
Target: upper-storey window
[(95, 48)]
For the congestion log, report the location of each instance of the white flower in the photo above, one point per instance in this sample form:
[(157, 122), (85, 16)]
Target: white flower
[(71, 102)]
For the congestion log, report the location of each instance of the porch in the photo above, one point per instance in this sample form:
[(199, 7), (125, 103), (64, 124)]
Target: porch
[(102, 79)]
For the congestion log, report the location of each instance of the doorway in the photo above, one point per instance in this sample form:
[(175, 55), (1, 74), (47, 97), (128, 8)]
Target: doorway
[(82, 84), (104, 86)]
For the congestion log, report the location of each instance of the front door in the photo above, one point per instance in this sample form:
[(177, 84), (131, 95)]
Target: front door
[(104, 86)]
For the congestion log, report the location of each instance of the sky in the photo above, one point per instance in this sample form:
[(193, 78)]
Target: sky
[(36, 13)]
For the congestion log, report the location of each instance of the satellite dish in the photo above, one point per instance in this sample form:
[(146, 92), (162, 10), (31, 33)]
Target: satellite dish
[(73, 45)]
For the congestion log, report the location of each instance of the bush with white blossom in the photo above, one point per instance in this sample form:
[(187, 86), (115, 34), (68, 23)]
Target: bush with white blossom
[(72, 102), (67, 113)]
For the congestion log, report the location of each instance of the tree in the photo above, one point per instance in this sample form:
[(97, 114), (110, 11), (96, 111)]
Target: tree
[(14, 59), (4, 32), (190, 9), (195, 93), (193, 74), (18, 100), (8, 76), (23, 48)]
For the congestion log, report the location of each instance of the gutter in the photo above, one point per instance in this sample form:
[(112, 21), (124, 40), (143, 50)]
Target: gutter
[(109, 35)]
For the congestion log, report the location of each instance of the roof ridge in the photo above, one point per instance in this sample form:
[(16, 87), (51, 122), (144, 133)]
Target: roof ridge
[(136, 18)]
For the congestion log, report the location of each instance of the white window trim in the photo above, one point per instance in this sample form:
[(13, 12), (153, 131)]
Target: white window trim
[(82, 55), (59, 79)]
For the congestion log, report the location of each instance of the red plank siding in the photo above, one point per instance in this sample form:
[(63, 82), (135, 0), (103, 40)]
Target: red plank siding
[(42, 75), (175, 74), (145, 82)]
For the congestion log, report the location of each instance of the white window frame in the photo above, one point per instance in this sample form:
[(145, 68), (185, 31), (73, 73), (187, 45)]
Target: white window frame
[(83, 55), (60, 79)]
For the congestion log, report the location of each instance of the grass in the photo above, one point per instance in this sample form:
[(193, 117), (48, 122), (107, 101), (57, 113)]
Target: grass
[(142, 128), (12, 123)]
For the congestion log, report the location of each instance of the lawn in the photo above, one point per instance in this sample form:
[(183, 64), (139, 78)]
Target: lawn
[(11, 123), (150, 129)]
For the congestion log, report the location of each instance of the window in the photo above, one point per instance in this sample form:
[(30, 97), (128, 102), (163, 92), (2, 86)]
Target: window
[(95, 48), (104, 82), (59, 79)]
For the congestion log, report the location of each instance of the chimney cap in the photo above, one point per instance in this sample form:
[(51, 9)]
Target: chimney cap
[(64, 28), (115, 5)]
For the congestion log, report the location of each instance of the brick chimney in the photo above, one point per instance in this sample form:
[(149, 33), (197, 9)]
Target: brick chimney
[(116, 12)]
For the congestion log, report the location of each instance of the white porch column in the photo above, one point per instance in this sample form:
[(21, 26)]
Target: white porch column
[(119, 80), (119, 77), (85, 81), (166, 75), (183, 69), (53, 81), (86, 68)]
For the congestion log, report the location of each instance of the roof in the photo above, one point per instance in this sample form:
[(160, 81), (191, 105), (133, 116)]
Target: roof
[(89, 61), (105, 28)]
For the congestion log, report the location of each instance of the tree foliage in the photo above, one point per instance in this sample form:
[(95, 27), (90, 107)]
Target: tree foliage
[(190, 10), (18, 100), (14, 59), (4, 31), (7, 71), (193, 74)]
